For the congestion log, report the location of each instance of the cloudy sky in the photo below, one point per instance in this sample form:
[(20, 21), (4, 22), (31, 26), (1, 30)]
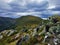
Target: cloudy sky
[(40, 8)]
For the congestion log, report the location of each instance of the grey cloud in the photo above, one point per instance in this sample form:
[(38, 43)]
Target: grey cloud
[(4, 5), (25, 7)]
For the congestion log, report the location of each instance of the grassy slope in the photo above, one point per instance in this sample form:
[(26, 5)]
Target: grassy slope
[(28, 21)]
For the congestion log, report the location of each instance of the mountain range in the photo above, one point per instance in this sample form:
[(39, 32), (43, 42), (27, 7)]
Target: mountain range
[(10, 23), (24, 21)]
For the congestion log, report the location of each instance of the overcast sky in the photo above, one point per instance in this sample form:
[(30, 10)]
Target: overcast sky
[(40, 8)]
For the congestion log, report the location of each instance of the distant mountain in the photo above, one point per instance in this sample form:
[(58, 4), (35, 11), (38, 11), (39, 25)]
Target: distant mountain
[(6, 23), (28, 21), (24, 21), (19, 23)]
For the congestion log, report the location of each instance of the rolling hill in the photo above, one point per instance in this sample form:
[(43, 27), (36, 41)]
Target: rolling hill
[(28, 21), (19, 23), (24, 21), (6, 23)]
